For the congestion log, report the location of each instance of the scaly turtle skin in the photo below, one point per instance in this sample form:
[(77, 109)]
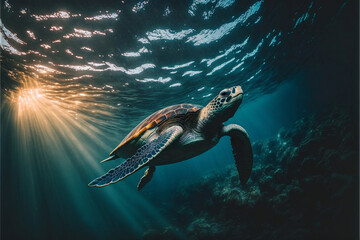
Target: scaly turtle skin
[(180, 132)]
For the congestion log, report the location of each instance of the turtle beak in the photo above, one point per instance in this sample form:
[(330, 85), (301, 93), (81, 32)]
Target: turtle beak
[(237, 91)]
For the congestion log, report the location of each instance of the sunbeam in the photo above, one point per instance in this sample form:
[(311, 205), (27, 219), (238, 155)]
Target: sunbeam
[(56, 135)]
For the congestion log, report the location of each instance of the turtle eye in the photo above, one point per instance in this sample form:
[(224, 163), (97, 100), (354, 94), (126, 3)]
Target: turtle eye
[(224, 93)]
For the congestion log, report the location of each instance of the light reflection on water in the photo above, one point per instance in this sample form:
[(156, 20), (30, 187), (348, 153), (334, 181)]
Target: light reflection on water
[(50, 36)]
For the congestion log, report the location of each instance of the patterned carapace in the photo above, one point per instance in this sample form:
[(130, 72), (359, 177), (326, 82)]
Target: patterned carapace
[(156, 119)]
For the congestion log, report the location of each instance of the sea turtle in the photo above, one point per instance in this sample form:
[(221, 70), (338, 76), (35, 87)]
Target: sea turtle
[(180, 132)]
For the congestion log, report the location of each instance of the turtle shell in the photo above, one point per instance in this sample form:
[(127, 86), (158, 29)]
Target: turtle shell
[(156, 119)]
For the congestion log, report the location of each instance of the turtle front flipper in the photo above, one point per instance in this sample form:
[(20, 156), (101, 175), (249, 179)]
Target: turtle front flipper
[(143, 156), (242, 150), (146, 178)]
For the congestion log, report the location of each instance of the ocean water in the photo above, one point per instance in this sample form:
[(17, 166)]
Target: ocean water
[(77, 76)]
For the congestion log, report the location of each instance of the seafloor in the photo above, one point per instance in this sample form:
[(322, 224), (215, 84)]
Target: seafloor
[(304, 185)]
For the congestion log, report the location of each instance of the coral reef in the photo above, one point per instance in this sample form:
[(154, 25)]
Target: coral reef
[(304, 185)]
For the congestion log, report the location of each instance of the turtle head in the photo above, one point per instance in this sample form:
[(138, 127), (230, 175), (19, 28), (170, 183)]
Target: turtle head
[(225, 104)]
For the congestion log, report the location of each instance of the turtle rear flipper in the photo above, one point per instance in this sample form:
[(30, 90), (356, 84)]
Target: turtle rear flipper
[(143, 156), (113, 157), (146, 178)]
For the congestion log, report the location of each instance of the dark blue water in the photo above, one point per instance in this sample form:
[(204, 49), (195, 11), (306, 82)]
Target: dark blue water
[(77, 76)]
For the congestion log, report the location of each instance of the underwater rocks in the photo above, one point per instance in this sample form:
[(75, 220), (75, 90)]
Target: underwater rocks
[(304, 185)]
